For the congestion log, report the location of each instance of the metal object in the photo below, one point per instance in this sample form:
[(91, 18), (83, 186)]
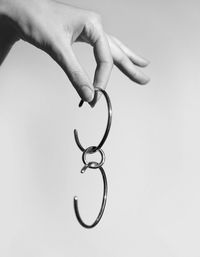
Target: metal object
[(103, 205), (94, 164), (109, 121)]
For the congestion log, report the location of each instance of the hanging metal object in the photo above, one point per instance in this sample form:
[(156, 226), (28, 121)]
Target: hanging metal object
[(94, 164)]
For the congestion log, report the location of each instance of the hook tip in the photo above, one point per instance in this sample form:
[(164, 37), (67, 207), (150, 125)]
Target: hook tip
[(81, 103), (82, 170)]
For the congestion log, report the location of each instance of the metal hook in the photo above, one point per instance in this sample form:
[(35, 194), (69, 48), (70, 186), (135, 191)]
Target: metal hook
[(105, 190), (107, 127)]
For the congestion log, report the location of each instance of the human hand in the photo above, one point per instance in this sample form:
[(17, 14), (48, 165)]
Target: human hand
[(53, 27)]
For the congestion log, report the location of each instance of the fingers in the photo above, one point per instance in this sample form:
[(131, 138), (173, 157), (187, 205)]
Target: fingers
[(124, 61), (76, 73), (107, 50), (78, 77), (136, 59), (104, 62)]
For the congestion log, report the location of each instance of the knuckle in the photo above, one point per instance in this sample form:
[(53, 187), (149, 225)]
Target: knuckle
[(134, 74), (110, 63), (122, 59), (76, 77), (93, 26), (95, 19)]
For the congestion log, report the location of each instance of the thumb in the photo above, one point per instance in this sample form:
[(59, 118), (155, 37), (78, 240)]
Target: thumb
[(76, 74)]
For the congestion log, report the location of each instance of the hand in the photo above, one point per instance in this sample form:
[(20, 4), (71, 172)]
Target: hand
[(53, 27)]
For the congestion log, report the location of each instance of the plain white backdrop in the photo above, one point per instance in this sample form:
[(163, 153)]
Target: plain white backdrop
[(152, 153)]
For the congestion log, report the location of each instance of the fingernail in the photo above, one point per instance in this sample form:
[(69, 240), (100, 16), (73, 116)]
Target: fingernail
[(145, 80), (94, 100), (92, 104), (147, 62), (144, 61), (88, 93)]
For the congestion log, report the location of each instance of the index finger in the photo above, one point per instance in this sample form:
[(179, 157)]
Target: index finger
[(104, 62)]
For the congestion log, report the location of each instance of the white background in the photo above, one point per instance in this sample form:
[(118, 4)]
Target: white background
[(152, 151)]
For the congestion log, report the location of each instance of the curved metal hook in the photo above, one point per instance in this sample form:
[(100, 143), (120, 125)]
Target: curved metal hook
[(105, 191), (107, 127)]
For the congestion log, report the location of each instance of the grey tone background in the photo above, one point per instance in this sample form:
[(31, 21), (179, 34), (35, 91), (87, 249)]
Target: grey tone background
[(152, 152)]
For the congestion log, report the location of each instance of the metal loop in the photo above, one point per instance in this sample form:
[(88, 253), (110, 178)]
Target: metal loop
[(107, 127), (105, 190), (93, 164)]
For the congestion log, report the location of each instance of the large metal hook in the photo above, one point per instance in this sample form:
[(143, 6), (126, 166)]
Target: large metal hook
[(109, 121), (105, 190)]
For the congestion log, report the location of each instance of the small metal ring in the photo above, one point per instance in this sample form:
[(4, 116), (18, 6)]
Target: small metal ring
[(109, 121), (93, 165), (103, 205)]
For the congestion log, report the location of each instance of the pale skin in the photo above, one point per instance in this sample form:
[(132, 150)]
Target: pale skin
[(53, 27)]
